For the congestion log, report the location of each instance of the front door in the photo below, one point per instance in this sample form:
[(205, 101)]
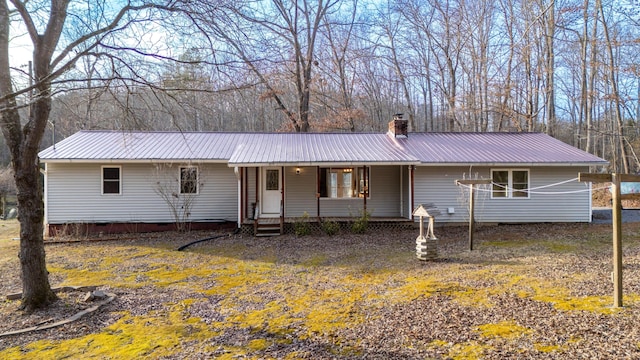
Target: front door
[(271, 191)]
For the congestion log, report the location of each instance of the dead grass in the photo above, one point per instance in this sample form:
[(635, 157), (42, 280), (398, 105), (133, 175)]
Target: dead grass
[(9, 229), (534, 291)]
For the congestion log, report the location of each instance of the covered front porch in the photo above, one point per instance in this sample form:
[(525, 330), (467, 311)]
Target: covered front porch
[(273, 198)]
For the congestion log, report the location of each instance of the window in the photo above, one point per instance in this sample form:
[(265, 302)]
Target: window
[(189, 180), (273, 180), (344, 182), (111, 180), (510, 183)]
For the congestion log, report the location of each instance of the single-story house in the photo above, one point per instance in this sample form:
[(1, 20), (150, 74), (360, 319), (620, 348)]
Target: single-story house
[(140, 181)]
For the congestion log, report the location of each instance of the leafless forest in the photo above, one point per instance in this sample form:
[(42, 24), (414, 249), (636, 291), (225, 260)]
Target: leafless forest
[(570, 68)]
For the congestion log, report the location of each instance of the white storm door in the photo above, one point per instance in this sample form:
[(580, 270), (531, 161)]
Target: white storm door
[(271, 191)]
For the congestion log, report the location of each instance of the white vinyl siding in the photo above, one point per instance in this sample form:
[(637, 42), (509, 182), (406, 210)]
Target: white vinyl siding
[(562, 203), (250, 183), (385, 191), (405, 205), (300, 191), (74, 194)]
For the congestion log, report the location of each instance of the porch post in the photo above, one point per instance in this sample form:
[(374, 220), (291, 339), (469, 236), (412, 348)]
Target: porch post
[(238, 173), (401, 192), (411, 194), (245, 178), (257, 190), (318, 191), (366, 187), (256, 210), (282, 202)]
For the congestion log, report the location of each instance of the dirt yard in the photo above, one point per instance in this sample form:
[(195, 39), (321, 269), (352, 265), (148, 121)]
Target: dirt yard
[(537, 291)]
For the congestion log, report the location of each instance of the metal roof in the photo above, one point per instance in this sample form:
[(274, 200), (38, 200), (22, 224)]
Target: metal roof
[(495, 148), (257, 149), (143, 146), (319, 149)]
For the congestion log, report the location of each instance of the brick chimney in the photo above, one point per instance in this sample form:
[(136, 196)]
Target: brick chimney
[(398, 127)]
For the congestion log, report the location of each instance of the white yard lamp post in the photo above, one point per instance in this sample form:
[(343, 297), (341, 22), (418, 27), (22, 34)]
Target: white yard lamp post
[(426, 244)]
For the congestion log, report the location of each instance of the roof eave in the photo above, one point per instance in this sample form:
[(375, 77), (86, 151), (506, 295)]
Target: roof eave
[(514, 164), (133, 161), (322, 163)]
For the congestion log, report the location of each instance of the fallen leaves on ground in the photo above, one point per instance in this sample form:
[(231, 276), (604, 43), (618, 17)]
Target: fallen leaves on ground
[(526, 291)]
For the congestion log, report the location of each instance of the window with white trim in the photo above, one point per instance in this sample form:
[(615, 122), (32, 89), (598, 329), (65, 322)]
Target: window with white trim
[(188, 180), (111, 180), (338, 183), (510, 183)]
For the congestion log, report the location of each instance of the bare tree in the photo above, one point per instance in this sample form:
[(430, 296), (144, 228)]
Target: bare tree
[(276, 40), (390, 23), (55, 53), (549, 30), (613, 78), (178, 187), (447, 42), (338, 76)]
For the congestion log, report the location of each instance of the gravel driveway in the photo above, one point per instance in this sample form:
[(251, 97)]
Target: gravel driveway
[(603, 215)]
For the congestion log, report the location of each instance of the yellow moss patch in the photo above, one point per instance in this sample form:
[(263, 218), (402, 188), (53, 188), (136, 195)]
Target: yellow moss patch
[(272, 318), (600, 304), (560, 297), (82, 277), (423, 286), (149, 266), (157, 335), (478, 297), (504, 329), (437, 343), (471, 350), (258, 344), (170, 274), (546, 348), (562, 300), (239, 275), (336, 310)]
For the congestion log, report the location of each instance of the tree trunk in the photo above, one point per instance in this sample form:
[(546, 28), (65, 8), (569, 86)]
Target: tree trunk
[(36, 290), (23, 142), (590, 147), (550, 69), (616, 94)]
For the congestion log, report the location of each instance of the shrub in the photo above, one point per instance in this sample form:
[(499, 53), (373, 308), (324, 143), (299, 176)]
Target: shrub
[(360, 225), (301, 227), (330, 227)]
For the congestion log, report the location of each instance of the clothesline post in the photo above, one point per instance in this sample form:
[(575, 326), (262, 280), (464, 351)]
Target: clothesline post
[(616, 222), (472, 183)]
